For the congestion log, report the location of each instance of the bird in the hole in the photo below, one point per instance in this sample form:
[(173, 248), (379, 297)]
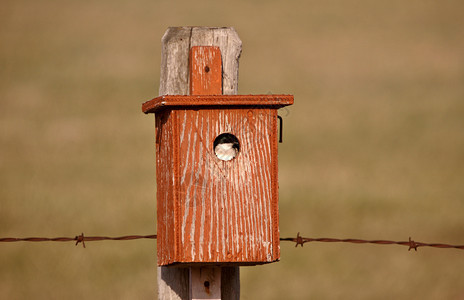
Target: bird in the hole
[(226, 146)]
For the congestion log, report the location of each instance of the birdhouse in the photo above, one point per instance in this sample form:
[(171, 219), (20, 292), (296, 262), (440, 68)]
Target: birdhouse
[(216, 170)]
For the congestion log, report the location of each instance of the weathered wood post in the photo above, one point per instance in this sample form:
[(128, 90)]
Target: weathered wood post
[(217, 196)]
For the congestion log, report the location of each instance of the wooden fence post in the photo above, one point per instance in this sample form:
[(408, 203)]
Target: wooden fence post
[(173, 282)]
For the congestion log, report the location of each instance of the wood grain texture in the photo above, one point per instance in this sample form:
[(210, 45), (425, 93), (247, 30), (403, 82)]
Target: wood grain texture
[(166, 198), (205, 283), (230, 283), (173, 282), (228, 209), (176, 43)]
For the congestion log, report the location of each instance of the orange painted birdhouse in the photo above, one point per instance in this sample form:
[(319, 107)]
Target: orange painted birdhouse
[(216, 169)]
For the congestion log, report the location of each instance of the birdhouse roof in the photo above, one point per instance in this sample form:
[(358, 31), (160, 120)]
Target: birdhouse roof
[(217, 101)]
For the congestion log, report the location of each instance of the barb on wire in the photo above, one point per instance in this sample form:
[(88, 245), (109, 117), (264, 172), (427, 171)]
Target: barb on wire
[(79, 239), (299, 240)]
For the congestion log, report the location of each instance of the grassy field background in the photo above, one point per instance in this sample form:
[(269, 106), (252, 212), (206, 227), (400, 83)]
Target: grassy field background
[(373, 147)]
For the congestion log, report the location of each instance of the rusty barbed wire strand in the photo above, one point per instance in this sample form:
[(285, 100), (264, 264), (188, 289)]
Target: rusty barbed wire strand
[(299, 240), (78, 238)]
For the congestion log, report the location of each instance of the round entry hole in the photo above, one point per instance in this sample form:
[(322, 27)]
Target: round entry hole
[(226, 146)]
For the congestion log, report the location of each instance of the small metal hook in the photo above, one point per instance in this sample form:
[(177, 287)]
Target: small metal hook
[(281, 128)]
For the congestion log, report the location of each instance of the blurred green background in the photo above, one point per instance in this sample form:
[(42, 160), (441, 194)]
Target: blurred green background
[(373, 147)]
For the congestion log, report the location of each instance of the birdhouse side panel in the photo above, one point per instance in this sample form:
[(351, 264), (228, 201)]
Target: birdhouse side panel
[(166, 185), (228, 208)]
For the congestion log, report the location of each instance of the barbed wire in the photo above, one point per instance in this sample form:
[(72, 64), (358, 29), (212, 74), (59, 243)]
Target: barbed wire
[(298, 240), (78, 239)]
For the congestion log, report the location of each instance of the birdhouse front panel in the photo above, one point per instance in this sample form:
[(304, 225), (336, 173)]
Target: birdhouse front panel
[(217, 178), (227, 185)]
